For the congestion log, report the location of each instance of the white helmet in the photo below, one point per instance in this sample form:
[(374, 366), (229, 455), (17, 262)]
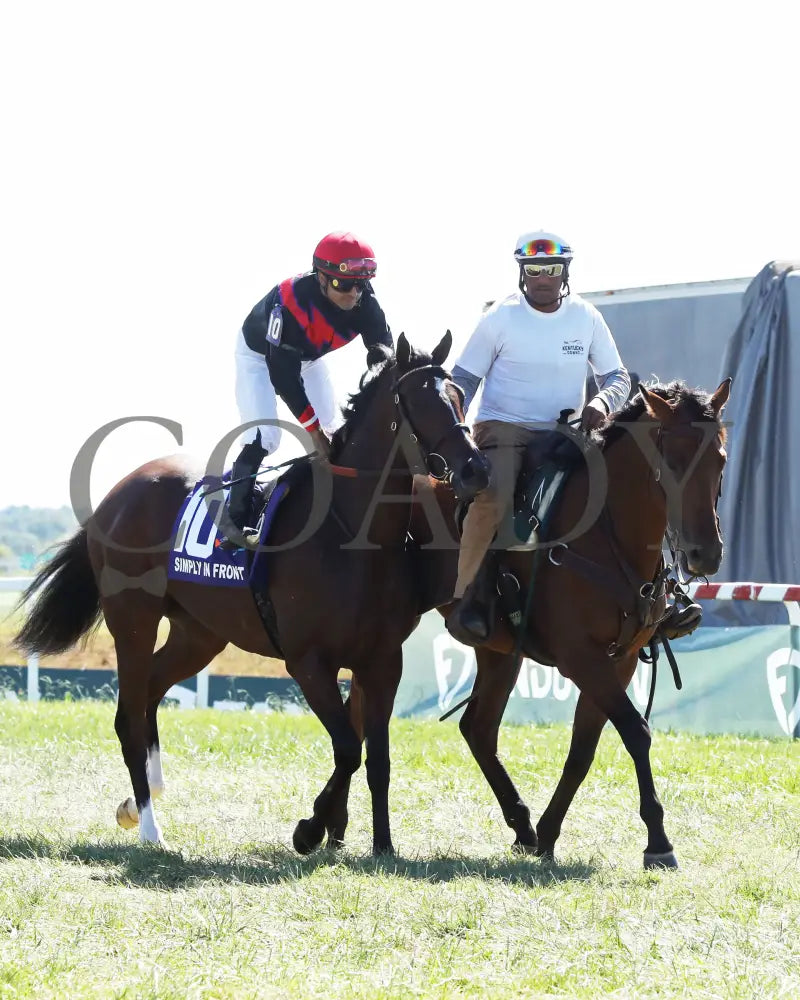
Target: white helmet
[(542, 246)]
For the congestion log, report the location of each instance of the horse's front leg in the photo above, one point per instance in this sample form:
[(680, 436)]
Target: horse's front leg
[(604, 687), (379, 681), (338, 815), (320, 688), (480, 725)]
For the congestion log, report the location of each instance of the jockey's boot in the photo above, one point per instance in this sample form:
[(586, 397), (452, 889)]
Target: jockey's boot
[(471, 619), (239, 535), (681, 618)]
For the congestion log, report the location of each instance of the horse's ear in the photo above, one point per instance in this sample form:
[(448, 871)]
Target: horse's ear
[(442, 349), (403, 351), (720, 397), (377, 354), (657, 407)]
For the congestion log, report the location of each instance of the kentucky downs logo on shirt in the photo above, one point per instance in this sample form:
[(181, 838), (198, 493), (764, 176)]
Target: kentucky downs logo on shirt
[(572, 347)]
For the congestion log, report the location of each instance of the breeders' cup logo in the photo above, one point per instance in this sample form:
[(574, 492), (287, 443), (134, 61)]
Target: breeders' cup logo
[(783, 678), (455, 669)]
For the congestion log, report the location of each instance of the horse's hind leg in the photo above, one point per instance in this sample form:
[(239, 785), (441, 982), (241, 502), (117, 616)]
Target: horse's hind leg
[(320, 688), (480, 724), (133, 621), (189, 647), (586, 730)]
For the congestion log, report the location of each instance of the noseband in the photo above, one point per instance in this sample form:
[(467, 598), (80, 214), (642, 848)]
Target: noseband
[(438, 469)]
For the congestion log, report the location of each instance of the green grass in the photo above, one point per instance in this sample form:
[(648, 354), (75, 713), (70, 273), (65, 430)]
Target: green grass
[(231, 911)]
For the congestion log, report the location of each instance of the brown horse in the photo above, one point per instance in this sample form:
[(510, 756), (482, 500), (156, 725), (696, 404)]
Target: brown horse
[(598, 597), (342, 598)]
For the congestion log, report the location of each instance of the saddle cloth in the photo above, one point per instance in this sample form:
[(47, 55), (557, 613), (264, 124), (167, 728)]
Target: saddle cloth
[(197, 554)]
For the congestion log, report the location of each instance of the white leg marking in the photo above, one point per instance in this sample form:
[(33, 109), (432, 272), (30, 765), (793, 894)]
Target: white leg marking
[(155, 776), (149, 830)]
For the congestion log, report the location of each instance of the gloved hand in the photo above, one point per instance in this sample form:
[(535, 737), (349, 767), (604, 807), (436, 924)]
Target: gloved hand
[(594, 415)]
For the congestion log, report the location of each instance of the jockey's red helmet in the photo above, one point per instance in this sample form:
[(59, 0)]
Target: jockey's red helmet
[(343, 255)]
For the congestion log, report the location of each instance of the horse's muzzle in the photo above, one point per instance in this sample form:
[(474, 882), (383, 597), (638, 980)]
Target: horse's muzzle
[(702, 560), (472, 478)]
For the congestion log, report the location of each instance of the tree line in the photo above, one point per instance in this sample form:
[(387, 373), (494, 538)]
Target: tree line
[(26, 532)]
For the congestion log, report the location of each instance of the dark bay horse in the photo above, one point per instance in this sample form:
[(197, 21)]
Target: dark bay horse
[(343, 598), (664, 456)]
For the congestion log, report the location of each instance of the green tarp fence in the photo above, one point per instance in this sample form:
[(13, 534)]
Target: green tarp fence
[(735, 680), (742, 680)]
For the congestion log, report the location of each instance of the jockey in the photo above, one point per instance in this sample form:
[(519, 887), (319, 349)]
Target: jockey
[(531, 349), (291, 328)]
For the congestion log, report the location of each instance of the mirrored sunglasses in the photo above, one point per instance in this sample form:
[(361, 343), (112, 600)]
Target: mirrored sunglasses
[(348, 284), (548, 247), (550, 270)]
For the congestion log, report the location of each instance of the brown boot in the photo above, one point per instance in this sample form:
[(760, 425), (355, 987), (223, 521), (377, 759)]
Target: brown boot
[(472, 616), (468, 622), (681, 618)]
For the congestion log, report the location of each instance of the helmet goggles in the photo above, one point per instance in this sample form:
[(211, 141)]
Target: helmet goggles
[(543, 248), (354, 267)]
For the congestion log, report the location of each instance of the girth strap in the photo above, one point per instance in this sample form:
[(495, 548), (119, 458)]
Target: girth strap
[(642, 602)]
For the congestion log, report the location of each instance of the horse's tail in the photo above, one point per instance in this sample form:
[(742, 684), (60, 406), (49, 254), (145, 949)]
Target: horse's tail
[(67, 602)]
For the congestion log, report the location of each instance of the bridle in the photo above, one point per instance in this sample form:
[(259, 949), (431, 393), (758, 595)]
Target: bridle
[(444, 472), (402, 419), (671, 535), (682, 430), (436, 463)]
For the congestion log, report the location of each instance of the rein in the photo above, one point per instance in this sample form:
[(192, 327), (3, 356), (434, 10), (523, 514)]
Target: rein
[(353, 472), (442, 474)]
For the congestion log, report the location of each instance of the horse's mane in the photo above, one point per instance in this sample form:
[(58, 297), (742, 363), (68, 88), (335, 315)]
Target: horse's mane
[(695, 404), (358, 404)]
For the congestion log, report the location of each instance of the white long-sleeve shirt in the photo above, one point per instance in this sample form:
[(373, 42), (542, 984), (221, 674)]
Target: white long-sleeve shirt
[(534, 363)]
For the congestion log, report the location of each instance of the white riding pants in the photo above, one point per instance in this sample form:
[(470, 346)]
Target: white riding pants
[(256, 398)]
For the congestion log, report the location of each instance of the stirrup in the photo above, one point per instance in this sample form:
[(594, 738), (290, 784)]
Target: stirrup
[(246, 538)]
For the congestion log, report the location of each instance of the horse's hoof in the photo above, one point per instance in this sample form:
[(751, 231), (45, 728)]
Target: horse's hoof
[(383, 850), (665, 860), (127, 814), (520, 847), (334, 843), (307, 836), (545, 853)]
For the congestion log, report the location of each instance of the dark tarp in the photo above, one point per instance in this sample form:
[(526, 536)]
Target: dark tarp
[(756, 333), (760, 505)]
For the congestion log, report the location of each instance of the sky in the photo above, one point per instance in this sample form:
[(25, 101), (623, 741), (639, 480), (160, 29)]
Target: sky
[(166, 164)]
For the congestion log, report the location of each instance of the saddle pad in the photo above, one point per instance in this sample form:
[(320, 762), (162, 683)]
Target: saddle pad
[(197, 555)]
